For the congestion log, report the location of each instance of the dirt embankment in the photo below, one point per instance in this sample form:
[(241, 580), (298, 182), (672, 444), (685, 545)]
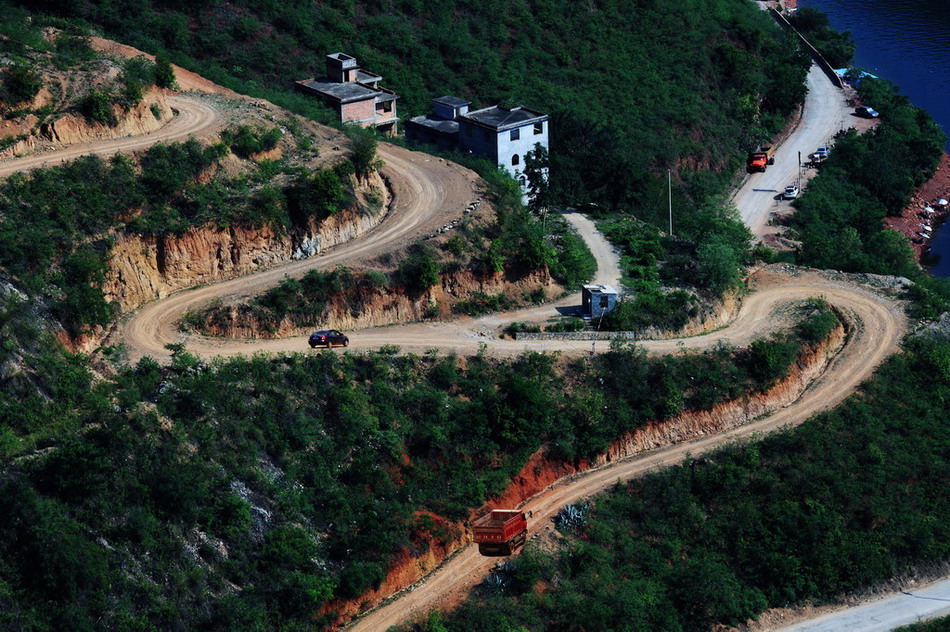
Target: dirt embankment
[(71, 127), (540, 472), (145, 268), (915, 220), (362, 306)]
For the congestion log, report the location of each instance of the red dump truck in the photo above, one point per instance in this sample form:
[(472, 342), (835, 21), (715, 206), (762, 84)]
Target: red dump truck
[(762, 157), (500, 532)]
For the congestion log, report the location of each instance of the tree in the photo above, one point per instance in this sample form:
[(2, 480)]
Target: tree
[(363, 151), (536, 171), (165, 74), (718, 267)]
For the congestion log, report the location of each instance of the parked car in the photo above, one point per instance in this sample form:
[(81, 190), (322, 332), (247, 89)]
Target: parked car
[(866, 112), (791, 192), (328, 338), (823, 151)]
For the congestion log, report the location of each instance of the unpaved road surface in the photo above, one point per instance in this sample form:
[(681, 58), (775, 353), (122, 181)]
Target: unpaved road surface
[(192, 118), (880, 615), (826, 111), (428, 193), (878, 324)]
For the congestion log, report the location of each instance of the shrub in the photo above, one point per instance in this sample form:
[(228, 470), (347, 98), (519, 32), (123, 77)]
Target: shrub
[(246, 140), (19, 84), (421, 270), (97, 106), (567, 325)]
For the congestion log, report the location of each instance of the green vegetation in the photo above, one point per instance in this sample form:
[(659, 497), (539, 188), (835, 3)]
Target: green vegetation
[(867, 177), (53, 239), (936, 625), (18, 84), (852, 497), (707, 80), (246, 141), (302, 303), (707, 255), (296, 479), (837, 48), (680, 56)]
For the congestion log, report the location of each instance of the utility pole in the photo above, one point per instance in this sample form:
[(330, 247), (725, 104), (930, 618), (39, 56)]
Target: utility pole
[(799, 173), (669, 195)]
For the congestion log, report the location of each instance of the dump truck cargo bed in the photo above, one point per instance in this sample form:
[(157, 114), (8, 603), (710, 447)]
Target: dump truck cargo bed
[(500, 532)]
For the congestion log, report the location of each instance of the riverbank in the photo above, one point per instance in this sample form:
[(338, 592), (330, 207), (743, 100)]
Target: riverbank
[(915, 219)]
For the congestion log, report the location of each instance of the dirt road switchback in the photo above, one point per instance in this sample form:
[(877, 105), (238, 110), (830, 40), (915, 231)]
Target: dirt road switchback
[(876, 325)]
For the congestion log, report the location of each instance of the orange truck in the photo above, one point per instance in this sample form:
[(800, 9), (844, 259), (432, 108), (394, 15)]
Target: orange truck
[(500, 532), (761, 158)]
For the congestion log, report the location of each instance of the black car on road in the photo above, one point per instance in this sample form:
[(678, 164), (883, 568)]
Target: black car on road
[(328, 338)]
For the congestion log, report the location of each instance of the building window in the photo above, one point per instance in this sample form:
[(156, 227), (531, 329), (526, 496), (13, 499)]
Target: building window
[(522, 181), (485, 135), (387, 106), (538, 128), (515, 160), (515, 134)]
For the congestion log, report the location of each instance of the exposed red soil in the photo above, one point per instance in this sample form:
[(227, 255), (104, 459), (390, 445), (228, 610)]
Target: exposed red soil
[(913, 218)]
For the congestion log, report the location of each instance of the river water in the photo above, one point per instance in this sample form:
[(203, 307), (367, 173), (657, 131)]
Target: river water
[(907, 42)]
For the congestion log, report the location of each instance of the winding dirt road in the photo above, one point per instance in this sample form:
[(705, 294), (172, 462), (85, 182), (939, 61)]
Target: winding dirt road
[(877, 325), (428, 192), (192, 118)]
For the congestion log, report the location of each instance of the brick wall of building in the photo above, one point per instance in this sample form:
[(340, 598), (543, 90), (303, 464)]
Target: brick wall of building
[(358, 110)]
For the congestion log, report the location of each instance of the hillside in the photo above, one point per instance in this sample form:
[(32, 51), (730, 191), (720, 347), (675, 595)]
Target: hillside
[(634, 86), (276, 492)]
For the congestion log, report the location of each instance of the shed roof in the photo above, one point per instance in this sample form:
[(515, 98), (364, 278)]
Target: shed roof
[(600, 288), (367, 77), (348, 92)]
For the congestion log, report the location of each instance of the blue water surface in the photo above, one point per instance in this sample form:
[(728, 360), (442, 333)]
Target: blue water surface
[(907, 42)]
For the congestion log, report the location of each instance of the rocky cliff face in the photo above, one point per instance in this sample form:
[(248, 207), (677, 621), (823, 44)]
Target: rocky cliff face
[(146, 268)]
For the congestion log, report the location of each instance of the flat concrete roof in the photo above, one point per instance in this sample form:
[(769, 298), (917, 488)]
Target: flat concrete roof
[(342, 92), (439, 125), (453, 102), (500, 118)]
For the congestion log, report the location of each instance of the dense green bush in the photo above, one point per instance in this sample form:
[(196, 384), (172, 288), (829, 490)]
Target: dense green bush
[(165, 74), (97, 106), (246, 140), (935, 625), (317, 195), (18, 84), (481, 303), (836, 47), (420, 270)]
